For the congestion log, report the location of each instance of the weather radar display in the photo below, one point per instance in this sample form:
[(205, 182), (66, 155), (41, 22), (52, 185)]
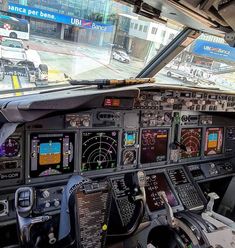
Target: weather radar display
[(191, 139), (99, 150)]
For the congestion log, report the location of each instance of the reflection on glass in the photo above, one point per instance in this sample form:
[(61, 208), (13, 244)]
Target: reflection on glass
[(89, 39)]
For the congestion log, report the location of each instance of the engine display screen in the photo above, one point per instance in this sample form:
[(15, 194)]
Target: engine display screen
[(214, 141), (99, 150), (156, 183), (191, 139), (154, 144), (51, 154)]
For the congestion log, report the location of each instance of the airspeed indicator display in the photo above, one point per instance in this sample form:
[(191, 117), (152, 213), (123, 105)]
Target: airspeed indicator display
[(99, 150)]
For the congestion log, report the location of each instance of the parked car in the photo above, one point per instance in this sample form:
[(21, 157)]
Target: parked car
[(121, 56)]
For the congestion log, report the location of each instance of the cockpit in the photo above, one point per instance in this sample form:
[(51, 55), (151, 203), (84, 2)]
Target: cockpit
[(92, 156)]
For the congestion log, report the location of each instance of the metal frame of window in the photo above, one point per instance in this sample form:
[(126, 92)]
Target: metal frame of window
[(178, 44)]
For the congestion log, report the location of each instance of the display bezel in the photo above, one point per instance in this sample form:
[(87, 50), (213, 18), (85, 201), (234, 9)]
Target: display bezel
[(168, 145), (222, 146), (18, 138), (28, 177), (201, 145), (119, 147), (177, 208)]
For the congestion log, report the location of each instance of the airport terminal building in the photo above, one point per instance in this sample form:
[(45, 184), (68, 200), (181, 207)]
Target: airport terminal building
[(90, 21)]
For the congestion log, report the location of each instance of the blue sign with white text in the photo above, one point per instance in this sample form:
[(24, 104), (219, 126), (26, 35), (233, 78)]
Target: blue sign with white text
[(214, 50), (55, 17)]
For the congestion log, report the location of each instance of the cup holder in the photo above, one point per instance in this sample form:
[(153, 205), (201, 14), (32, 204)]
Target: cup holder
[(162, 237)]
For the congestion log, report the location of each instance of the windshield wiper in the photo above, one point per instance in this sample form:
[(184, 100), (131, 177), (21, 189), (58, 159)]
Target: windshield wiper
[(101, 83)]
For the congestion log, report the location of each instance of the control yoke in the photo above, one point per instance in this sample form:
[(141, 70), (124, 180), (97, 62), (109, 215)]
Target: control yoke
[(175, 222), (24, 201)]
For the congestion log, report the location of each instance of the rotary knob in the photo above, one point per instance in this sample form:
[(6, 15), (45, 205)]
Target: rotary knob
[(188, 104), (170, 100), (47, 204), (45, 194), (86, 123), (56, 203)]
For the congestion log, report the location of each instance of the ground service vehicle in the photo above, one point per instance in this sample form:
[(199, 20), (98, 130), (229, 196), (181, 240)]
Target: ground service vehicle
[(20, 61), (111, 154)]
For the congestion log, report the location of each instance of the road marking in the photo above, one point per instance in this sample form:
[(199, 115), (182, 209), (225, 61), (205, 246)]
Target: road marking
[(54, 71), (16, 84)]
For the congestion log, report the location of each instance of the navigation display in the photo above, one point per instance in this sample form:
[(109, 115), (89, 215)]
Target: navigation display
[(51, 154), (154, 144), (191, 138), (99, 150), (154, 184), (214, 141)]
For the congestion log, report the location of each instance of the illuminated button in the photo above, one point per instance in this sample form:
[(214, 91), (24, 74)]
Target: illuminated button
[(104, 227), (45, 194)]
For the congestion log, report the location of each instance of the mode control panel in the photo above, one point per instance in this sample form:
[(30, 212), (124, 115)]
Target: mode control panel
[(48, 199)]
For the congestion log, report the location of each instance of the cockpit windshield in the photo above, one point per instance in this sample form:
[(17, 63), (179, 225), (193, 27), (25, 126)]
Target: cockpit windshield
[(76, 39), (209, 62), (88, 40)]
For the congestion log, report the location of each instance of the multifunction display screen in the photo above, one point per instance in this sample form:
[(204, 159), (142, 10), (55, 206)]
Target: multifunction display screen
[(51, 154), (191, 139), (129, 138), (154, 144), (156, 183), (213, 141), (99, 150)]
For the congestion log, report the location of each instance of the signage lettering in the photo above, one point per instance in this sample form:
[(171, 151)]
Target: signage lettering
[(51, 16)]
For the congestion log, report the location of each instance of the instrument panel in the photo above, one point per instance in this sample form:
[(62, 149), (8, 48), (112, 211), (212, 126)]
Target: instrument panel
[(162, 130)]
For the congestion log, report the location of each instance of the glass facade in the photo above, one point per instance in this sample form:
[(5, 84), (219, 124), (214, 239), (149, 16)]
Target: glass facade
[(94, 10)]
